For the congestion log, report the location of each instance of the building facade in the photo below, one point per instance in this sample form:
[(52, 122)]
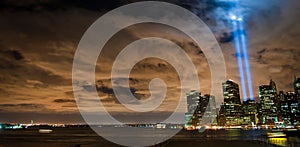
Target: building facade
[(289, 109), (268, 100), (210, 110), (192, 116), (201, 110), (250, 112), (232, 103)]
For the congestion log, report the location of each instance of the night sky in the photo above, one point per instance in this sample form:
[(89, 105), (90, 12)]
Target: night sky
[(39, 38)]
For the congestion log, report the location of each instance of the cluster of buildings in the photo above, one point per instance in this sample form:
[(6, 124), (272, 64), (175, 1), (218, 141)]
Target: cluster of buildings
[(200, 109), (274, 108)]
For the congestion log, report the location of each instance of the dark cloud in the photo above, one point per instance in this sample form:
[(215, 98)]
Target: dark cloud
[(64, 101), (261, 51), (101, 85), (17, 55), (283, 56), (54, 5), (226, 37), (105, 100), (22, 107), (18, 71), (110, 92), (105, 89)]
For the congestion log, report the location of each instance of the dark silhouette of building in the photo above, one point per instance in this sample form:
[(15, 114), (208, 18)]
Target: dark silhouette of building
[(222, 116)]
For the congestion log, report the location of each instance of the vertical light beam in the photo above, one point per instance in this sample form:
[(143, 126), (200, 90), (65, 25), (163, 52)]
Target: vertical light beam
[(239, 57), (240, 42), (246, 58)]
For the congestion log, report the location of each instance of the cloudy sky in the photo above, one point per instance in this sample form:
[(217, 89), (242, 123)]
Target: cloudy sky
[(39, 38)]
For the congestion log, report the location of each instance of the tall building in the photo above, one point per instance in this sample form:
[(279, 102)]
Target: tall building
[(281, 96), (193, 98), (210, 110), (250, 112), (268, 100), (192, 117), (222, 116), (297, 85), (232, 103), (231, 92), (273, 86), (289, 109), (232, 112), (200, 110)]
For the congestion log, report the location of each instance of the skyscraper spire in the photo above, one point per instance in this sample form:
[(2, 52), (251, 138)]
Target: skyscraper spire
[(273, 86)]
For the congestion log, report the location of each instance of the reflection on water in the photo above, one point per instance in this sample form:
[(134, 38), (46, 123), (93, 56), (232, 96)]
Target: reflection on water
[(278, 141), (284, 141), (285, 138), (86, 137), (233, 133)]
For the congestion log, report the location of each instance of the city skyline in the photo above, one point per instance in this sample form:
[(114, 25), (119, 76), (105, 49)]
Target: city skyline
[(275, 108)]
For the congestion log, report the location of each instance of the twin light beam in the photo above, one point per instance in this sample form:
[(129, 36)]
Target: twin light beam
[(240, 43)]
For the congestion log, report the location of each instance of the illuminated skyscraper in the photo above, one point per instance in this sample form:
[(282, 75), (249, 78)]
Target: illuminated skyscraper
[(250, 110), (231, 92), (193, 98), (232, 103), (289, 109), (192, 117), (267, 97), (200, 110), (209, 109), (232, 99)]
